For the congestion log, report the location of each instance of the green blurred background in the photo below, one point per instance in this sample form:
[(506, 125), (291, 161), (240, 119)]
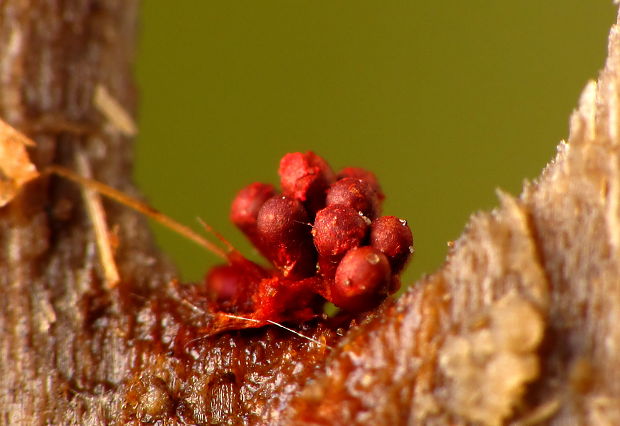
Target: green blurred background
[(444, 100)]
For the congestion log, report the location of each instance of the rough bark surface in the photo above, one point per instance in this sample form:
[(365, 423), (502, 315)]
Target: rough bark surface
[(62, 347), (521, 324)]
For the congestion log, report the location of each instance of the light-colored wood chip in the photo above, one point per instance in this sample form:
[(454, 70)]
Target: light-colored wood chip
[(114, 112), (97, 216)]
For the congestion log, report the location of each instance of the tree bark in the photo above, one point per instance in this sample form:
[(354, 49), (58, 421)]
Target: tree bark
[(62, 349), (520, 325)]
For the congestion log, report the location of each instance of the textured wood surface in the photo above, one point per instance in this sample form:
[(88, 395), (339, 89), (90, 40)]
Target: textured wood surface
[(62, 350), (521, 325)]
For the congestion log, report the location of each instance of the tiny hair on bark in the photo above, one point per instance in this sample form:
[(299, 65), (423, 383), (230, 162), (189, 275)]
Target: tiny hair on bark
[(520, 325)]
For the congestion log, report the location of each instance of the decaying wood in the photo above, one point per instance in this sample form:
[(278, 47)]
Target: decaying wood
[(521, 325)]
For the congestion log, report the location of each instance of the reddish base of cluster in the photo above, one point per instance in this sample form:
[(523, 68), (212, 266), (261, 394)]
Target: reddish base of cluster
[(325, 240)]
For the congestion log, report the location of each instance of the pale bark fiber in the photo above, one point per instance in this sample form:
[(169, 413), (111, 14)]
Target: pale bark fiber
[(522, 323)]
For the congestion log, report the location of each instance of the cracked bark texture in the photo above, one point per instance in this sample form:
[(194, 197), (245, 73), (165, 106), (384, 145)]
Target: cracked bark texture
[(521, 325)]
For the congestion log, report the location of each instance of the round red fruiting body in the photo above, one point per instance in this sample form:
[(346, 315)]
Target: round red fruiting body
[(281, 220), (355, 193), (365, 175), (348, 255), (305, 177), (392, 236), (245, 207), (362, 279), (283, 228), (337, 229), (230, 288)]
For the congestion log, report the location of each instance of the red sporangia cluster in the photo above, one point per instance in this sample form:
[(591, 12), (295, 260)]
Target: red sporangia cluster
[(325, 239)]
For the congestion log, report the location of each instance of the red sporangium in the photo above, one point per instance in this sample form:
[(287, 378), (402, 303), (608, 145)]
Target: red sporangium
[(323, 235)]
